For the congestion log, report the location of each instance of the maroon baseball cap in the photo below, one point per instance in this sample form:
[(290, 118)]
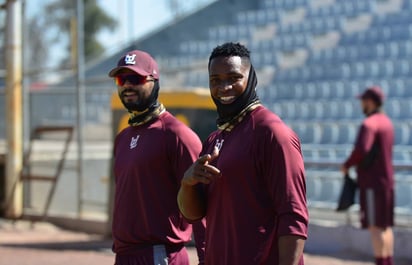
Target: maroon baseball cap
[(138, 61), (373, 92)]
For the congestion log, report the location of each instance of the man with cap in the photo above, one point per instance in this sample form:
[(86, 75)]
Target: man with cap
[(249, 181), (150, 158), (372, 157)]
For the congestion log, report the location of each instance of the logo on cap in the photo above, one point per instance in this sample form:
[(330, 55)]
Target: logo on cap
[(130, 59)]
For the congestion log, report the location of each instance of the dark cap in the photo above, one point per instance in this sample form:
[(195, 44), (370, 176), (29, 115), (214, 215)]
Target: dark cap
[(375, 93), (138, 61)]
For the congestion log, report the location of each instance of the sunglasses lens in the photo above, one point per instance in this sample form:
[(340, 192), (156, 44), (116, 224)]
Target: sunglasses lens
[(120, 80)]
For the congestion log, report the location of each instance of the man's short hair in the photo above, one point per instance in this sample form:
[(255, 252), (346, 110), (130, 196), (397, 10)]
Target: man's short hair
[(229, 49)]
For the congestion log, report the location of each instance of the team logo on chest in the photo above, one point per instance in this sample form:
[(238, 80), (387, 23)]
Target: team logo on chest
[(133, 141), (219, 144)]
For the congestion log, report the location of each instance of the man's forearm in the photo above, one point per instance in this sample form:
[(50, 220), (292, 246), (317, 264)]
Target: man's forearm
[(290, 249), (191, 202)]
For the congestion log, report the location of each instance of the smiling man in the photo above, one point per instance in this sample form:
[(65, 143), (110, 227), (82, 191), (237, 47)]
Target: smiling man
[(150, 158), (249, 180)]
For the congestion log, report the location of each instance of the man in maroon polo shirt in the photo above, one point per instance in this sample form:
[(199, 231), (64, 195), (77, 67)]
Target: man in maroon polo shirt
[(249, 180), (372, 156), (150, 158)]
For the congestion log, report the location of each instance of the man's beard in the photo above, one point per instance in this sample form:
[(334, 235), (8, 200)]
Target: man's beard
[(141, 103)]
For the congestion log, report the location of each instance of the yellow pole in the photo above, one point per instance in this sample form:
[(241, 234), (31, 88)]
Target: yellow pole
[(14, 114)]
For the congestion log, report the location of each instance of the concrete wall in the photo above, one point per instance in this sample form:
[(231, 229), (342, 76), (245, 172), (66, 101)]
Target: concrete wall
[(333, 237)]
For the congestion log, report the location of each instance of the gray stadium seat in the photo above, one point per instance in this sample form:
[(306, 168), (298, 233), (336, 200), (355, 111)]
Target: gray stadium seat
[(330, 133), (347, 133), (402, 134)]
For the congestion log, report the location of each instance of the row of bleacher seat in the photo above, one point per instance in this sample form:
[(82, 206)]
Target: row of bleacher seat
[(347, 8), (377, 34), (393, 88), (274, 15), (311, 110), (322, 110), (324, 132), (339, 152), (353, 53), (283, 4), (334, 132), (299, 36), (262, 59), (260, 17), (399, 18), (197, 48), (361, 70), (314, 26), (230, 32)]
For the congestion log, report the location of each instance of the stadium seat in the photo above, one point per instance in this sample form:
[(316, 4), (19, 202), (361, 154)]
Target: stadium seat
[(330, 133), (402, 134), (392, 108), (399, 108), (347, 133)]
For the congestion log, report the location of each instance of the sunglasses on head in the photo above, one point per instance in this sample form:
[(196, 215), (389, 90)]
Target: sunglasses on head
[(133, 79)]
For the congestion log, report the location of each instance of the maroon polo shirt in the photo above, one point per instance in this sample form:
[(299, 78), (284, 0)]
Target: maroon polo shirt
[(379, 174), (261, 194), (149, 163)]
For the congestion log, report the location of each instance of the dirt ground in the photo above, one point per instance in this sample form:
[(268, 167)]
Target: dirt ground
[(24, 243)]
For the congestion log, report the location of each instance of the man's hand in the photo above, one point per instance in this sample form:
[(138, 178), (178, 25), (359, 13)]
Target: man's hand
[(201, 171), (192, 203)]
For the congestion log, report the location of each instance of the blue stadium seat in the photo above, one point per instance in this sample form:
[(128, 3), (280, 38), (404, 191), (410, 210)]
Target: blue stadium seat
[(309, 133), (405, 107), (324, 90), (402, 134), (330, 133), (347, 133), (331, 110), (299, 128), (392, 108), (393, 87), (400, 32), (402, 17), (288, 110), (259, 17), (404, 48)]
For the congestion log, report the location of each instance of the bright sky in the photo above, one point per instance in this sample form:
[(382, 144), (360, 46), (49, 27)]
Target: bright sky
[(135, 19)]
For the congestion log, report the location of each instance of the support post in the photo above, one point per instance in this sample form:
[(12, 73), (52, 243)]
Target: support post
[(14, 114)]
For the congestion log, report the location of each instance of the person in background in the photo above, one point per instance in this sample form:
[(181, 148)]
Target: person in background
[(249, 181), (150, 158), (372, 157)]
